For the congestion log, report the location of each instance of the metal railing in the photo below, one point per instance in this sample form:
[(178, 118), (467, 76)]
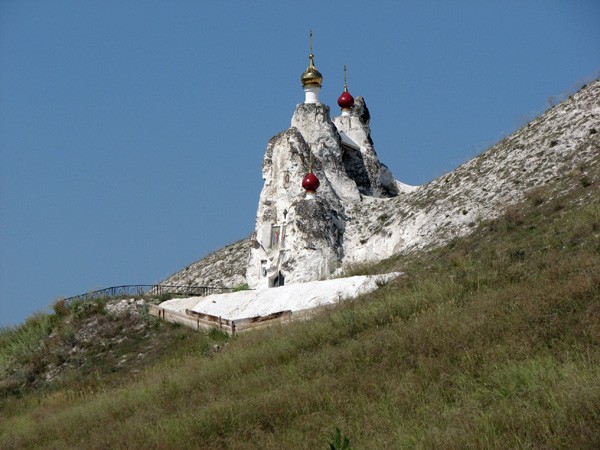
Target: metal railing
[(153, 290)]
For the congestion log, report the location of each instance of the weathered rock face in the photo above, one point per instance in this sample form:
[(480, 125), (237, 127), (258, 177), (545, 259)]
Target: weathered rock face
[(563, 142), (223, 268), (354, 219), (278, 255), (319, 132), (360, 159), (300, 239), (315, 241)]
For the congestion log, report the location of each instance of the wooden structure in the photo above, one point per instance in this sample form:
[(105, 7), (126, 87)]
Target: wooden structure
[(200, 321)]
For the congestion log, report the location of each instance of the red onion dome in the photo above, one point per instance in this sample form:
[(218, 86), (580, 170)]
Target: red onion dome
[(346, 101), (310, 182)]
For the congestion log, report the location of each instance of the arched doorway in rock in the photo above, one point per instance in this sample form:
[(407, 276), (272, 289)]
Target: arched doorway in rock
[(278, 280)]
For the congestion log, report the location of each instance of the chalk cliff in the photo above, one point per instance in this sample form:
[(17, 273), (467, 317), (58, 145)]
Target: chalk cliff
[(362, 214), (301, 239)]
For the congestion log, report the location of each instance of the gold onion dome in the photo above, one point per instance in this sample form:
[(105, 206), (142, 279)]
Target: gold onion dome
[(311, 76)]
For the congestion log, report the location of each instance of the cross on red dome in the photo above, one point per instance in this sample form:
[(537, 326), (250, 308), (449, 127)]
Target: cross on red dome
[(346, 101)]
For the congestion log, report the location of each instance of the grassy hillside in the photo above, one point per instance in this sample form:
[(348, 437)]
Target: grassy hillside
[(490, 342)]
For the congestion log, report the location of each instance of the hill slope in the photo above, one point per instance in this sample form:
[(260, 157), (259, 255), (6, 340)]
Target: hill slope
[(225, 267), (490, 341), (561, 143)]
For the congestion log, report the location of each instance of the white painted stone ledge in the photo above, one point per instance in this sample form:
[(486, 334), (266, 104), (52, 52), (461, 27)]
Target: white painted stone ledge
[(267, 301)]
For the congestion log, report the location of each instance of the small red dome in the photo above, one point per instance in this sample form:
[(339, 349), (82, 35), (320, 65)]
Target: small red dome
[(310, 182), (346, 101)]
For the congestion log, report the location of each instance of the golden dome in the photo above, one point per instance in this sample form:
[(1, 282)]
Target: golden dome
[(311, 76)]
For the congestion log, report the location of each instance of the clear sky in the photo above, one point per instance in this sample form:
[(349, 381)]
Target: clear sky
[(132, 132)]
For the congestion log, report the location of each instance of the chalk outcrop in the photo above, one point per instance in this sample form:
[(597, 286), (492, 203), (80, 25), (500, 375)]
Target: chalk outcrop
[(301, 239), (225, 267), (562, 142), (358, 216), (360, 160)]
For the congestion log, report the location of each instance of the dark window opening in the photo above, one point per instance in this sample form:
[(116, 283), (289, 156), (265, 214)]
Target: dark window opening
[(279, 280)]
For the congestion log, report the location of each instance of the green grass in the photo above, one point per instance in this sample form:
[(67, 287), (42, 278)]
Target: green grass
[(490, 342), (82, 348), (25, 341)]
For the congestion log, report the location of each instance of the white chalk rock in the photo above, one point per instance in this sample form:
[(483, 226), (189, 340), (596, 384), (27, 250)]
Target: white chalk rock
[(299, 238)]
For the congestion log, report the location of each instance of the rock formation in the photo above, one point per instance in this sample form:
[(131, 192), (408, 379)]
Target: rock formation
[(361, 214), (225, 267), (359, 158), (562, 142), (298, 238)]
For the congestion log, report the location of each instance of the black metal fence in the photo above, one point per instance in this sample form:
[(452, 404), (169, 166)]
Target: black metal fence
[(153, 290)]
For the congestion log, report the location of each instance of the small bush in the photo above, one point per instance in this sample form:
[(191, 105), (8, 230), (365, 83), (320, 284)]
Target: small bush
[(241, 287), (82, 309), (537, 196), (164, 297), (514, 216), (339, 442), (61, 308)]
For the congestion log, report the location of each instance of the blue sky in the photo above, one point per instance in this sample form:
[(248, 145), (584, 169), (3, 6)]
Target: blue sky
[(132, 132)]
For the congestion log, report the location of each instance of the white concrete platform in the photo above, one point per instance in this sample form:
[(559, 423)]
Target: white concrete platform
[(248, 308)]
